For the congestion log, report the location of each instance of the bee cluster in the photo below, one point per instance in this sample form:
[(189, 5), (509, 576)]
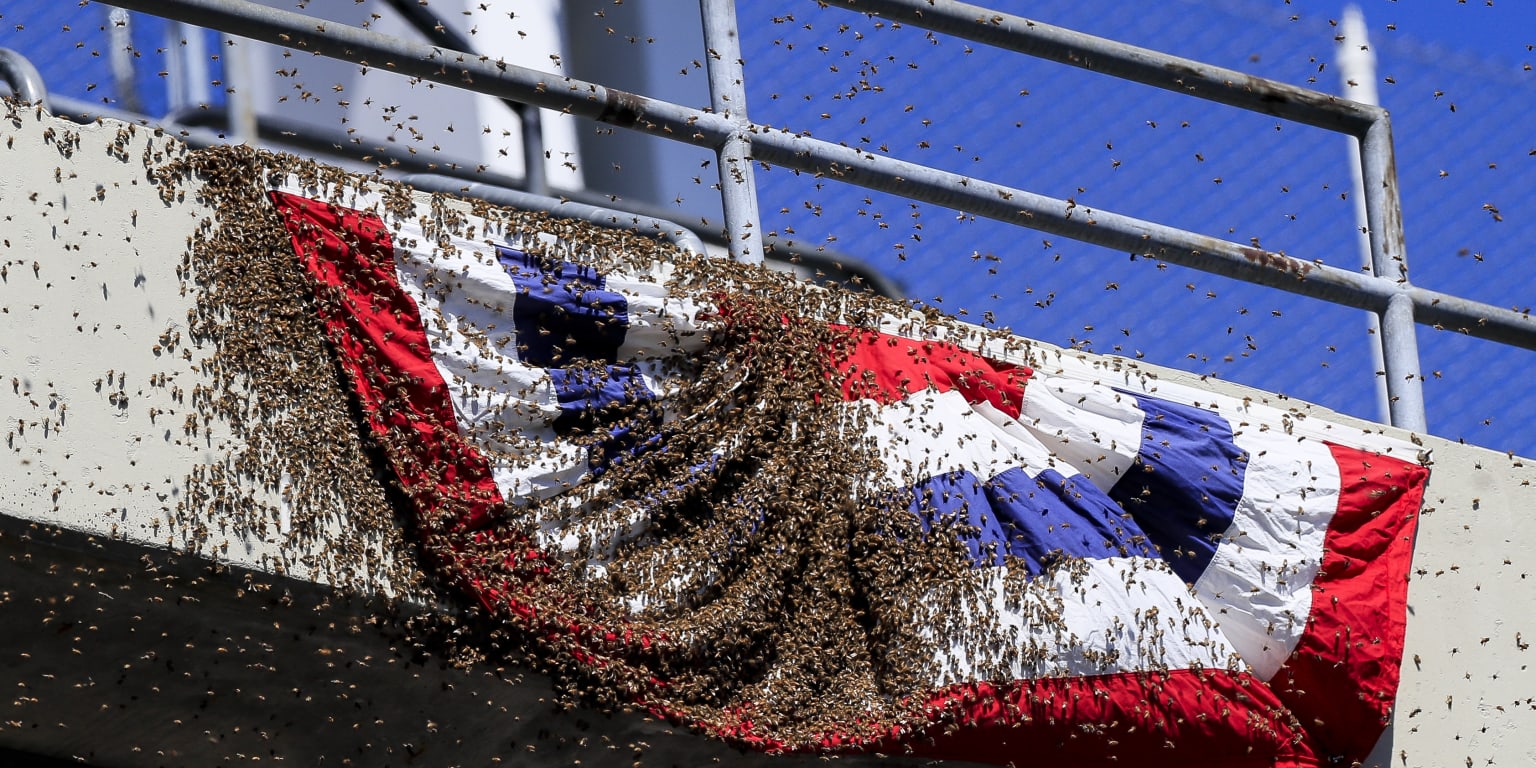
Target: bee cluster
[(771, 592), (298, 465)]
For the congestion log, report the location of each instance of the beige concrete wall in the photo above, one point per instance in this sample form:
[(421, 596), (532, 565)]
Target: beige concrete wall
[(88, 285), (105, 390), (99, 374)]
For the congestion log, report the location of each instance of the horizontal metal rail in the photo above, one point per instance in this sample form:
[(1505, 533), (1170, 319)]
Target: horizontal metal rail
[(1128, 62), (202, 128), (610, 218), (1386, 292), (481, 74), (335, 142)]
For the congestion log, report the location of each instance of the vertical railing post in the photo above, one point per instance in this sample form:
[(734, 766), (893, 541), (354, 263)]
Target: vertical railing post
[(1357, 81), (728, 97), (1389, 259), (535, 180), (239, 85)]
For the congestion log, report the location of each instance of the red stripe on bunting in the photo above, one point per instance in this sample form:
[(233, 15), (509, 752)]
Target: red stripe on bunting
[(383, 346), (885, 368), (1174, 719), (1341, 680)]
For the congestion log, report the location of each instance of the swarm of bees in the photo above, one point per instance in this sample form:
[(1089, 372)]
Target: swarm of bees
[(775, 583), (747, 574), (269, 383)]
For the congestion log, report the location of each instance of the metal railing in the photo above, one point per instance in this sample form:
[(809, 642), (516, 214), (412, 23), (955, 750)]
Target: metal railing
[(610, 218), (210, 127), (726, 129), (25, 82)]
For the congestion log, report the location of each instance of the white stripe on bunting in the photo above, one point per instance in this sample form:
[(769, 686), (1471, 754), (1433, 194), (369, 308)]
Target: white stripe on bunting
[(1093, 617), (1259, 583)]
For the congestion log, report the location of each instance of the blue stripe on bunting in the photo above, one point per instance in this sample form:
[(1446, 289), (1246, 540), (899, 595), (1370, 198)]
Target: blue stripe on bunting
[(1054, 516), (1039, 520), (613, 399), (1185, 485), (955, 501), (624, 442), (588, 393), (562, 312)]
